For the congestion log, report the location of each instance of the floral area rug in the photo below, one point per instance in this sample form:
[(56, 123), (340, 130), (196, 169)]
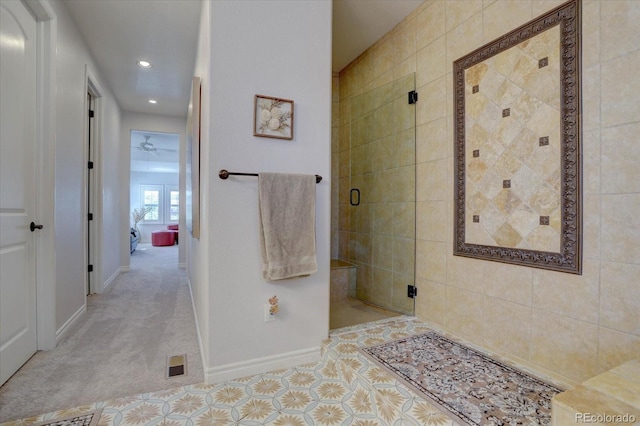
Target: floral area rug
[(86, 419), (464, 382)]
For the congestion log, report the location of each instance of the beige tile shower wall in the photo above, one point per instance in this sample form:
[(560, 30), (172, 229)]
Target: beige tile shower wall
[(335, 161), (567, 326)]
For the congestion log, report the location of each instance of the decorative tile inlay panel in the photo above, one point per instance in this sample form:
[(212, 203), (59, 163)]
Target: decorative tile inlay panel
[(530, 75), (476, 218), (475, 89), (476, 153), (513, 155)]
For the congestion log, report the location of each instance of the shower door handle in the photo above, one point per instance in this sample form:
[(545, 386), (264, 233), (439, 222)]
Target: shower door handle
[(351, 201)]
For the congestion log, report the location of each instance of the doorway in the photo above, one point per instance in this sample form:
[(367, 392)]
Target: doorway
[(93, 185), (154, 190), (90, 190)]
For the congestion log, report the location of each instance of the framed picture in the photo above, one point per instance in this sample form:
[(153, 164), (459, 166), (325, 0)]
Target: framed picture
[(272, 117), (193, 161)]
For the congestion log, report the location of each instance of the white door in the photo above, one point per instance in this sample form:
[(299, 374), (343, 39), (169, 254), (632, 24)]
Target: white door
[(17, 187)]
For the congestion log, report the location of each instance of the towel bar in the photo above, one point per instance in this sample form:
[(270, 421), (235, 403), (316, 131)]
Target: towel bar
[(225, 174)]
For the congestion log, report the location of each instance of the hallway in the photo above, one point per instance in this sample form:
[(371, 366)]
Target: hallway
[(120, 347)]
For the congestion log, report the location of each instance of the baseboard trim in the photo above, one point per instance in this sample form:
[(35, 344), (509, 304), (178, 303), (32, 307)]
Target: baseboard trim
[(261, 365), (61, 333), (195, 317), (107, 284), (125, 268), (182, 266)]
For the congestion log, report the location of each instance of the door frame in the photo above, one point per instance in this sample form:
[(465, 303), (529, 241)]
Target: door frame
[(93, 88), (46, 21)]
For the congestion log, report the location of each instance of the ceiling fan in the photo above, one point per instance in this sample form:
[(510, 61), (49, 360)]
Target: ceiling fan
[(150, 147)]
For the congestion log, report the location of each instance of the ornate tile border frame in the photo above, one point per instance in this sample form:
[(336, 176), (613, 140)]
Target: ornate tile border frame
[(569, 259)]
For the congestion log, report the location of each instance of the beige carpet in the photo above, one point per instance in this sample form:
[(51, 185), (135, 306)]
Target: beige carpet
[(119, 347)]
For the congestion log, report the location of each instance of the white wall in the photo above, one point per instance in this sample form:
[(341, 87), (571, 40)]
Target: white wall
[(111, 187), (292, 62), (71, 61), (146, 122), (197, 249)]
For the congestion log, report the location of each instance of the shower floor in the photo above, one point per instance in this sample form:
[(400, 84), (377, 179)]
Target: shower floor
[(350, 311)]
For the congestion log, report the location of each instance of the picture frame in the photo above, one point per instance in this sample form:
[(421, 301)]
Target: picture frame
[(272, 117), (192, 216), (517, 146)]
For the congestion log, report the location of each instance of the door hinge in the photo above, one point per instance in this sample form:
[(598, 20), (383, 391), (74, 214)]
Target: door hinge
[(413, 97), (90, 216), (412, 291), (91, 113), (90, 268), (90, 164)]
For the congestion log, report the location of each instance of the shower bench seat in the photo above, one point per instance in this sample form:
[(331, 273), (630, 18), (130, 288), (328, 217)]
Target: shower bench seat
[(343, 280), (601, 399)]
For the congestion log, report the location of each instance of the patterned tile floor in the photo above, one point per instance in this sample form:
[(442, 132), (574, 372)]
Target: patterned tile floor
[(344, 388)]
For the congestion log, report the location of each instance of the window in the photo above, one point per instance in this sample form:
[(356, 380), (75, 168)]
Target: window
[(164, 201), (173, 204), (151, 197)]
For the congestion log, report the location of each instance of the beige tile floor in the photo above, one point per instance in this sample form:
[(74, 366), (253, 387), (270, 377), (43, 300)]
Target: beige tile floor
[(342, 389)]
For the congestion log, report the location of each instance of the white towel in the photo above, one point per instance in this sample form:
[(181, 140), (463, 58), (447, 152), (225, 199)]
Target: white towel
[(287, 205)]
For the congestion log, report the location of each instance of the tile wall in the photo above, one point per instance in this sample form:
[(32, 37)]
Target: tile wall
[(570, 327), (513, 147)]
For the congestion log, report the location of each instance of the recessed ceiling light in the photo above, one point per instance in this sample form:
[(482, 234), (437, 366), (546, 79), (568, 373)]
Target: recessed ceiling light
[(144, 64), (153, 101)]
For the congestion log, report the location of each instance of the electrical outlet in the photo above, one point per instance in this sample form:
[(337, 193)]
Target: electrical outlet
[(267, 313)]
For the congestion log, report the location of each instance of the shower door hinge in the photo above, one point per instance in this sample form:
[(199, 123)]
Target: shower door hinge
[(413, 97), (90, 268), (90, 165), (412, 291), (91, 113), (90, 216)]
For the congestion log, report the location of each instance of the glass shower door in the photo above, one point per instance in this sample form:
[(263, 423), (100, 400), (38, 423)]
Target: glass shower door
[(382, 194)]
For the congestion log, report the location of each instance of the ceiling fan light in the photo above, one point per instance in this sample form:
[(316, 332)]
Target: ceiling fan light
[(144, 64)]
